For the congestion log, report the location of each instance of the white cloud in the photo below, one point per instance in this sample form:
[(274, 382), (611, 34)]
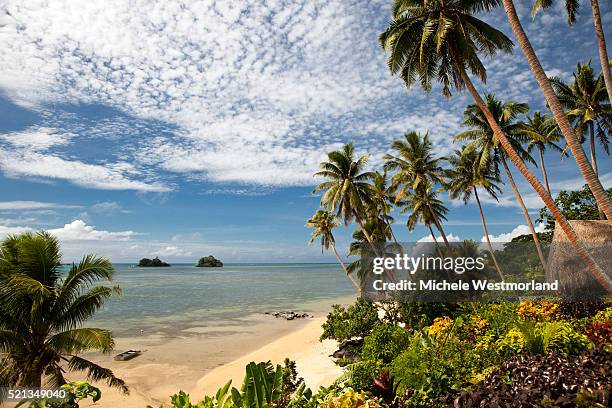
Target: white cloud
[(32, 205), (31, 163), (5, 230), (172, 251), (78, 230), (107, 207), (517, 231), (450, 237)]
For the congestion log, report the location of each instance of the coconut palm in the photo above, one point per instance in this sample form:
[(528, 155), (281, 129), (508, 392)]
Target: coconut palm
[(42, 311), (464, 179), (440, 40), (381, 199), (419, 204), (587, 107), (543, 133), (379, 230), (347, 189), (571, 6), (415, 167), (605, 204), (324, 223), (490, 154)]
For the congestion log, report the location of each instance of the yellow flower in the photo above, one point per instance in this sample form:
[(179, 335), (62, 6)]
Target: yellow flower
[(440, 326)]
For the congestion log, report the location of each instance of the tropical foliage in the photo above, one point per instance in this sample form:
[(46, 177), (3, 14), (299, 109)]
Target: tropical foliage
[(42, 312)]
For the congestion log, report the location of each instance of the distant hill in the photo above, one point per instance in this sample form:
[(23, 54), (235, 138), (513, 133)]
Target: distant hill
[(146, 262), (209, 262)]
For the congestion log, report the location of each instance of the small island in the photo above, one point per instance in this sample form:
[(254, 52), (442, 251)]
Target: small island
[(209, 262), (146, 262)]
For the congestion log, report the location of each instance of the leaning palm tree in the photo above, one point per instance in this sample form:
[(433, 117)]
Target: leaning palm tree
[(464, 179), (42, 311), (490, 154), (347, 189), (588, 107), (604, 203), (543, 133), (415, 169), (571, 6), (440, 40), (324, 223)]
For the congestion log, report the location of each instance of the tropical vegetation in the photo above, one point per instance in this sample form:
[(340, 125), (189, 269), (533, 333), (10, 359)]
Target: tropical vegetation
[(43, 308)]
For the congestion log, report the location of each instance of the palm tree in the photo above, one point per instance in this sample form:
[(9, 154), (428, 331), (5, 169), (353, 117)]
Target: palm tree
[(347, 190), (380, 232), (489, 152), (604, 203), (382, 196), (571, 7), (465, 177), (420, 203), (542, 132), (588, 107), (415, 167), (440, 40), (42, 311), (323, 223)]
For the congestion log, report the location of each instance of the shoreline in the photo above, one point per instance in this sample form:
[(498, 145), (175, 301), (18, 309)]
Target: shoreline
[(201, 359)]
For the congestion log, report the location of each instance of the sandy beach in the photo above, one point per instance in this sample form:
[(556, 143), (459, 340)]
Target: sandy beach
[(202, 359)]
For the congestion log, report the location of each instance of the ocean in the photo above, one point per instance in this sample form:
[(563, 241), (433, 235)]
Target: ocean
[(167, 299)]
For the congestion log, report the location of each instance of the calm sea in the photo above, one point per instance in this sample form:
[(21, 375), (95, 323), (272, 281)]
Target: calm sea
[(180, 296)]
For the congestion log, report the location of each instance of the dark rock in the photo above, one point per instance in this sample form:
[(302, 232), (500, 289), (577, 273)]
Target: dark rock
[(209, 262), (288, 315), (146, 262)]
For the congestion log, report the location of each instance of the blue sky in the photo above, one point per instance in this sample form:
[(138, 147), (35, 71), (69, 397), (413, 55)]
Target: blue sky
[(180, 129)]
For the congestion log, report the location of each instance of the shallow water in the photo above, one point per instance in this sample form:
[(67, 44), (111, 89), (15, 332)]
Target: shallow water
[(169, 298)]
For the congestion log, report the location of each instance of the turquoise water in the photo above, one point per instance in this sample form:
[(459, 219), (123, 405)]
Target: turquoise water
[(169, 298)]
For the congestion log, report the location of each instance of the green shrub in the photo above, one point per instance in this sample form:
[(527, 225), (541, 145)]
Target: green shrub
[(76, 392), (417, 315), (360, 375), (355, 321), (566, 341), (385, 342)]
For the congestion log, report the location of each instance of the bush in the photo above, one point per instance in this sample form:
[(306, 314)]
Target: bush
[(385, 343), (545, 381), (600, 332), (348, 398), (417, 315), (353, 322), (360, 375)]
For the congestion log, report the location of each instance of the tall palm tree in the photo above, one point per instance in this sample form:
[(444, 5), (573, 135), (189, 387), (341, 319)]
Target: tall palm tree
[(415, 167), (324, 223), (489, 152), (604, 203), (420, 203), (543, 133), (588, 107), (380, 232), (440, 40), (571, 6), (465, 177), (42, 311), (382, 198), (347, 190)]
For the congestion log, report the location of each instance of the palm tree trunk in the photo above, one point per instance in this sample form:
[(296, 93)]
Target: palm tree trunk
[(534, 234), (544, 173), (437, 222), (603, 202), (366, 234), (484, 228), (438, 250), (350, 275), (598, 274), (592, 146), (601, 44)]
